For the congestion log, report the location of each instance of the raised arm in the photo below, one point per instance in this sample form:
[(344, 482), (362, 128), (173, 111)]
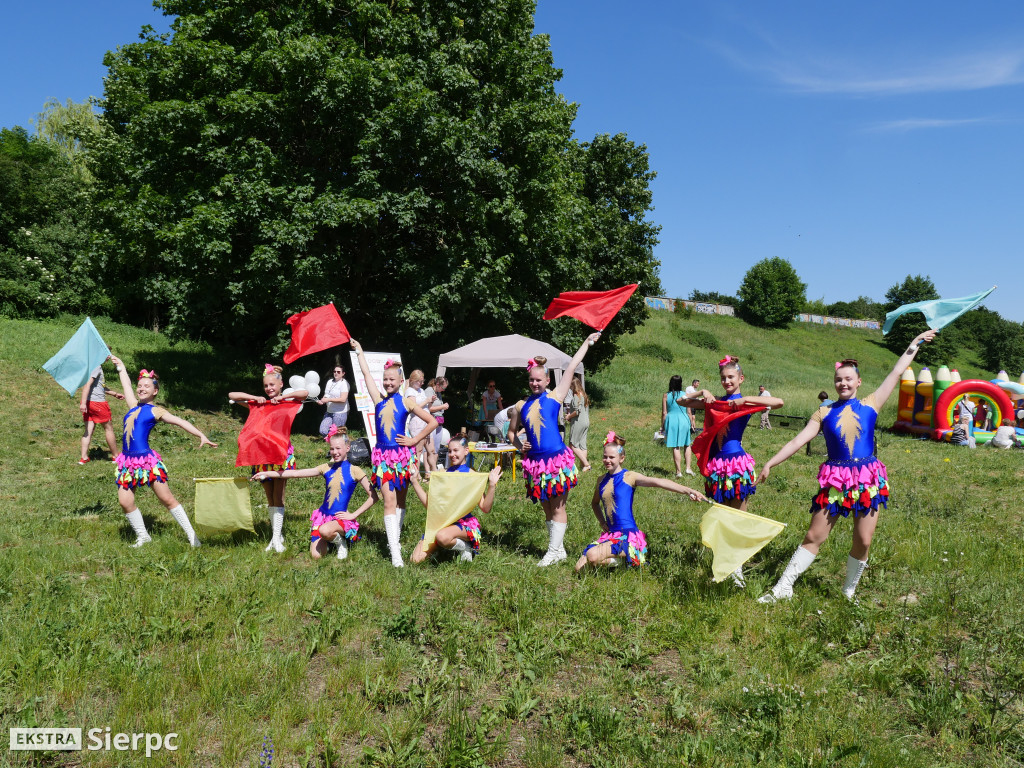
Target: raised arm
[(188, 426), (890, 382), (492, 483), (126, 382), (371, 385), (562, 389), (803, 437)]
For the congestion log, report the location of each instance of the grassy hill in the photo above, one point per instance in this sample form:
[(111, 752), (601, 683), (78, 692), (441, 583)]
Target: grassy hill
[(500, 663)]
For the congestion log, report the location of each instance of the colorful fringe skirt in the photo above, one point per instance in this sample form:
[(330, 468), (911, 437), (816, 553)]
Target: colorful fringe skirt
[(138, 471), (393, 466), (551, 477), (730, 477), (289, 463), (471, 526), (350, 528), (858, 485), (632, 545)]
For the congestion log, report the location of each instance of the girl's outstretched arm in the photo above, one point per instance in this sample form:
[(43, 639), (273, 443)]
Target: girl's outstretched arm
[(803, 437), (643, 481), (562, 389), (422, 414), (286, 474), (699, 400), (770, 402), (245, 397), (189, 427), (295, 394), (371, 499), (414, 478), (371, 385), (890, 382), (492, 483)]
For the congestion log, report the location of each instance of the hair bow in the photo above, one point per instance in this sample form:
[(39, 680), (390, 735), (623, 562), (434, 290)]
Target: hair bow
[(838, 365), (389, 363), (331, 433), (725, 361), (144, 374), (610, 438), (268, 369), (531, 364)]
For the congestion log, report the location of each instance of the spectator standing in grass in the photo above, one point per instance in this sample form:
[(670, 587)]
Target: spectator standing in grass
[(335, 397), (577, 417), (765, 423), (95, 410), (676, 424)]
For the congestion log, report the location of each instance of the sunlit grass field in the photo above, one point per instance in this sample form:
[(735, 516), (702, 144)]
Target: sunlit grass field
[(498, 662)]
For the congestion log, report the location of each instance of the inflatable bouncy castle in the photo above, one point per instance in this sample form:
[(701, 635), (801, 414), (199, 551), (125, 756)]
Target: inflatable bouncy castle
[(928, 407)]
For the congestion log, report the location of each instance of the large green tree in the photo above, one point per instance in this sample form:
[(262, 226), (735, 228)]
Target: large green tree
[(771, 293), (410, 160)]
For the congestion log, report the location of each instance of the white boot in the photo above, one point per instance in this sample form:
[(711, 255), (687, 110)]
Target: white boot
[(392, 527), (799, 563), (342, 545), (738, 579), (139, 526), (178, 513), (277, 530), (854, 570), (464, 549), (556, 552)]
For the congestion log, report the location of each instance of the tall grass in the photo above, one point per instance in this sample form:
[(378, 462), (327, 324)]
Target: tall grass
[(500, 663)]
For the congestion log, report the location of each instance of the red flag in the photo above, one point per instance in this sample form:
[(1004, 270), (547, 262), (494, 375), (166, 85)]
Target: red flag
[(717, 416), (595, 308), (314, 331), (267, 434)]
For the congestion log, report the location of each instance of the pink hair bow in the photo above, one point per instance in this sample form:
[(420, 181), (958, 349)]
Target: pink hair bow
[(144, 374), (610, 438), (838, 365), (725, 361), (389, 363), (268, 369), (531, 364), (331, 433)]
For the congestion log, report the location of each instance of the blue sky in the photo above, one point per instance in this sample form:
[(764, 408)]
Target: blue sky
[(861, 141)]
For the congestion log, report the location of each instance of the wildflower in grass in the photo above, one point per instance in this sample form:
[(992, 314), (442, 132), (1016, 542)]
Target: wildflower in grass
[(267, 753)]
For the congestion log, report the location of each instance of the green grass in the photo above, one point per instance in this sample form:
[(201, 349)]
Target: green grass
[(500, 663)]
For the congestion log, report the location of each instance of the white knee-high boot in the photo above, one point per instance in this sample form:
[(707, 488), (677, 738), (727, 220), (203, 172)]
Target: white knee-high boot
[(556, 552), (854, 570), (464, 549), (342, 544), (139, 526), (277, 530), (392, 528), (178, 513), (783, 590)]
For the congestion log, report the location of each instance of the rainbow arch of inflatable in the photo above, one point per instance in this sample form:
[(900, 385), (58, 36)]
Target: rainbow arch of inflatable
[(928, 407)]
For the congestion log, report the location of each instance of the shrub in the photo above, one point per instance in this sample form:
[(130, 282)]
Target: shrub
[(656, 351), (771, 293), (701, 338)]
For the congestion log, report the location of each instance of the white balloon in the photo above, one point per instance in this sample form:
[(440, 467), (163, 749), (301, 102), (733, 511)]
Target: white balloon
[(313, 389), (446, 436), (312, 377), (296, 382)]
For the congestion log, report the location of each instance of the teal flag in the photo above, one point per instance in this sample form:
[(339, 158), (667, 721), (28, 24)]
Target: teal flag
[(78, 358), (938, 312)]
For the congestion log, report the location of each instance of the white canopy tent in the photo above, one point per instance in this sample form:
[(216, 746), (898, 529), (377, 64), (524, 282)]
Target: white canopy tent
[(504, 352)]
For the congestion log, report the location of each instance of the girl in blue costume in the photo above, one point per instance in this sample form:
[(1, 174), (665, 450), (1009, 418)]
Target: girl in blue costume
[(331, 521), (463, 536), (549, 467), (394, 456), (613, 508), (138, 465), (273, 387), (730, 478), (851, 479)]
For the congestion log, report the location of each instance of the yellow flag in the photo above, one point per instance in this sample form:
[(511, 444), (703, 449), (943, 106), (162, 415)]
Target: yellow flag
[(452, 495), (222, 504), (735, 537)]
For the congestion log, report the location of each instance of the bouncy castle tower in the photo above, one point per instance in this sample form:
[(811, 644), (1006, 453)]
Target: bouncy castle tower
[(928, 407)]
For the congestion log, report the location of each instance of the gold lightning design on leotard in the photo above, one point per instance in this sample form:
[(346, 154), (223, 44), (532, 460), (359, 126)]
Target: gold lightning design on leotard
[(849, 427), (608, 499), (387, 417), (535, 418), (334, 487), (129, 424)]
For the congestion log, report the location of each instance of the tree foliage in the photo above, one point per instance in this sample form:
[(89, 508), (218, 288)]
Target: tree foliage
[(713, 297), (771, 293), (862, 308), (70, 128), (916, 288), (410, 161), (45, 250)]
